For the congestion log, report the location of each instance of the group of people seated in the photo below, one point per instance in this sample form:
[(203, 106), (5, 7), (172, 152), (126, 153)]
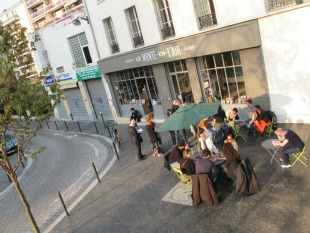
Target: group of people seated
[(210, 162)]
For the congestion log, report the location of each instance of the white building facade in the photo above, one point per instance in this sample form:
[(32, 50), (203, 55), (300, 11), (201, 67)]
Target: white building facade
[(204, 51)]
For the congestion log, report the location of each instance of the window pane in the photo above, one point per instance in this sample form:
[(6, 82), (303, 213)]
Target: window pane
[(87, 55), (218, 60), (236, 57), (227, 59), (209, 62)]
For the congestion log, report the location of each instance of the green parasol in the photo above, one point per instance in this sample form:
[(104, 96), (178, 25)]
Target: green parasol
[(187, 115)]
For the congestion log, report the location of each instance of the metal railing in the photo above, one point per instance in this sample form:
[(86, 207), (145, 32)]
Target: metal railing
[(138, 41), (207, 21), (280, 4), (168, 32)]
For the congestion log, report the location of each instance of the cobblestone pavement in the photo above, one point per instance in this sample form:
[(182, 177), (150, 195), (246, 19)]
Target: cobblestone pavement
[(65, 166)]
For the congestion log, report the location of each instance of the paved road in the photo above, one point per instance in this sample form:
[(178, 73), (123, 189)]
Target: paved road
[(65, 166)]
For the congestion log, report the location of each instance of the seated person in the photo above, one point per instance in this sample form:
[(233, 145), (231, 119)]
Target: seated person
[(176, 154), (187, 164), (230, 139), (232, 159), (261, 119), (207, 143), (249, 111), (203, 125), (233, 115), (204, 164)]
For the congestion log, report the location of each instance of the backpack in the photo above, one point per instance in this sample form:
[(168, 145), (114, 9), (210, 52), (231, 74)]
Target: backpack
[(273, 117)]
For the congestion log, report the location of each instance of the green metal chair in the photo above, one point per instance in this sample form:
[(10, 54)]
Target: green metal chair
[(301, 155)]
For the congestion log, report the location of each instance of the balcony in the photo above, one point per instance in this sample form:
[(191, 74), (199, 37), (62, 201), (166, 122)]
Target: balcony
[(207, 21), (138, 41), (32, 3), (9, 20), (280, 4), (47, 8), (115, 48), (168, 32)]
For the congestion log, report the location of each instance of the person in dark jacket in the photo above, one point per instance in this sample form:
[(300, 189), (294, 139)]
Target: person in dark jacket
[(187, 164), (135, 138), (153, 134), (261, 119), (135, 115), (176, 154), (290, 142)]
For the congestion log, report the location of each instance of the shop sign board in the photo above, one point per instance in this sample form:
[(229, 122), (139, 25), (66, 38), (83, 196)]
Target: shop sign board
[(89, 72)]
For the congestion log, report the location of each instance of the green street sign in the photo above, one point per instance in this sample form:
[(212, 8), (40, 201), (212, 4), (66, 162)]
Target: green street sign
[(89, 72)]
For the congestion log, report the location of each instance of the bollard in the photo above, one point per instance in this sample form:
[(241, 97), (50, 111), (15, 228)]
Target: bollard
[(56, 125), (115, 151), (71, 116), (23, 165), (79, 126), (96, 127), (66, 125), (63, 204), (105, 126), (47, 125), (96, 173), (109, 130)]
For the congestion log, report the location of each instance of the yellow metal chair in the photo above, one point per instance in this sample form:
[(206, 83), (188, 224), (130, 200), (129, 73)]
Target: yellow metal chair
[(301, 155), (269, 128), (185, 180)]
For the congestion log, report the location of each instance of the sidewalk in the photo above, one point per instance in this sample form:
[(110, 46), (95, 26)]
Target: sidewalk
[(129, 197)]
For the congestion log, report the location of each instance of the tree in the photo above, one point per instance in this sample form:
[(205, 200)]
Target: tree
[(24, 102)]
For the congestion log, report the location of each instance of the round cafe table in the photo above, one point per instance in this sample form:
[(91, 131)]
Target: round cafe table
[(273, 150)]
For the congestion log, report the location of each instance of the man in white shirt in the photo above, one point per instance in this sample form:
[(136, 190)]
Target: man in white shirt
[(207, 142)]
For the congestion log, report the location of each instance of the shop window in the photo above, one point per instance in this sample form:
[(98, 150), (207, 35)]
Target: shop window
[(222, 77), (136, 87), (80, 51), (110, 33), (206, 13), (134, 27), (164, 18)]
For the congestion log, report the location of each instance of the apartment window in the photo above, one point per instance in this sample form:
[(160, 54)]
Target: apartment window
[(136, 86), (110, 33), (206, 13), (60, 70), (80, 51), (134, 26), (280, 4), (222, 78), (164, 18)]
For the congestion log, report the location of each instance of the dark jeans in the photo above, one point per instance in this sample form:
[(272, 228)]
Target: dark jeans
[(139, 151), (287, 151), (173, 139)]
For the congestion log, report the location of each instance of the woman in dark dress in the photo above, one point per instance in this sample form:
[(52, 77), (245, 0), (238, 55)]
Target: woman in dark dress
[(153, 134)]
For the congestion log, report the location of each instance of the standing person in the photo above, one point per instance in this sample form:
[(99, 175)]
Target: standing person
[(172, 132), (176, 154), (290, 142), (135, 138), (175, 106), (153, 134), (135, 115)]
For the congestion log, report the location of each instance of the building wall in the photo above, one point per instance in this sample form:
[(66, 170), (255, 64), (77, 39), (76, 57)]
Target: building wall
[(286, 48)]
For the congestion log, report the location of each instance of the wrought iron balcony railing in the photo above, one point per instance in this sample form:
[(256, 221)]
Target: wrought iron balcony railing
[(207, 21), (168, 32), (138, 41), (115, 48), (280, 4)]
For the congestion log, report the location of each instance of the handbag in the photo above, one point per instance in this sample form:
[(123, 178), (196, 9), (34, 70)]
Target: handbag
[(140, 139)]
